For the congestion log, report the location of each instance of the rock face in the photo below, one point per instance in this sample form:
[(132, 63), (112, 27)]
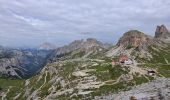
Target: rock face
[(21, 63), (134, 38), (156, 90), (162, 32), (8, 68)]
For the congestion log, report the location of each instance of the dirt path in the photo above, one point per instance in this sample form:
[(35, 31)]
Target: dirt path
[(44, 80), (166, 61), (116, 81)]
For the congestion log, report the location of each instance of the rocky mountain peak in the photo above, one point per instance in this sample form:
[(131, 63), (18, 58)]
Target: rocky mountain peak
[(80, 44), (134, 38), (86, 46), (90, 42), (162, 32)]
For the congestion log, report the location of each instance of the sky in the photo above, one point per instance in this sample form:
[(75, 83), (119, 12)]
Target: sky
[(29, 23)]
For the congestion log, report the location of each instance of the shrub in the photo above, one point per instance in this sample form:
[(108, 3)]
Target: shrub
[(0, 89), (133, 98)]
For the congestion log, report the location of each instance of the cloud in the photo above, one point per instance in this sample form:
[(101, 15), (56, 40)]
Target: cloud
[(31, 21), (63, 21)]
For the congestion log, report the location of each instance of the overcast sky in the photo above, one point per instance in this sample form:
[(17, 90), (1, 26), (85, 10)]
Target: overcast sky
[(32, 22)]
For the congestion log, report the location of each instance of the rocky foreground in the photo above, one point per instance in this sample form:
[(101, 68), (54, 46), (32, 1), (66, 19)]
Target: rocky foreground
[(156, 90)]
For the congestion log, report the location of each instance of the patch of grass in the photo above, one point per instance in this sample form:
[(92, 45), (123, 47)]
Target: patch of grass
[(35, 83), (140, 80), (44, 91), (15, 85), (101, 67), (117, 71), (97, 54), (102, 72), (159, 56), (68, 69), (107, 59), (108, 72), (164, 70), (106, 89), (102, 76), (150, 65), (5, 83), (78, 54), (129, 46), (150, 77)]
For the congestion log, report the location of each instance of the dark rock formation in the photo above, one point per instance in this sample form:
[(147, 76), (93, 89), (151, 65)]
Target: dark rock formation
[(162, 32)]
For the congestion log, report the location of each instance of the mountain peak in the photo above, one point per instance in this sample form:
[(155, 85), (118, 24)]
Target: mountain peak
[(91, 39), (133, 32), (133, 38), (81, 45), (162, 32)]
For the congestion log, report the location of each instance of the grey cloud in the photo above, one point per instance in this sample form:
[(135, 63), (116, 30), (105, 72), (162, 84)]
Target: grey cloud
[(62, 21)]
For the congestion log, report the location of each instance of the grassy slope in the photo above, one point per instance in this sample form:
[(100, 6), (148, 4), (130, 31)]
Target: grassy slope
[(15, 86), (159, 60)]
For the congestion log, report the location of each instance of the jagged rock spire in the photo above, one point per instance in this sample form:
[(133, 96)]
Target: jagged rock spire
[(162, 32)]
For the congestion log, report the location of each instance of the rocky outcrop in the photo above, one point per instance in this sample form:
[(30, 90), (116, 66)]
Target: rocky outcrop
[(162, 32), (134, 38), (156, 90)]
